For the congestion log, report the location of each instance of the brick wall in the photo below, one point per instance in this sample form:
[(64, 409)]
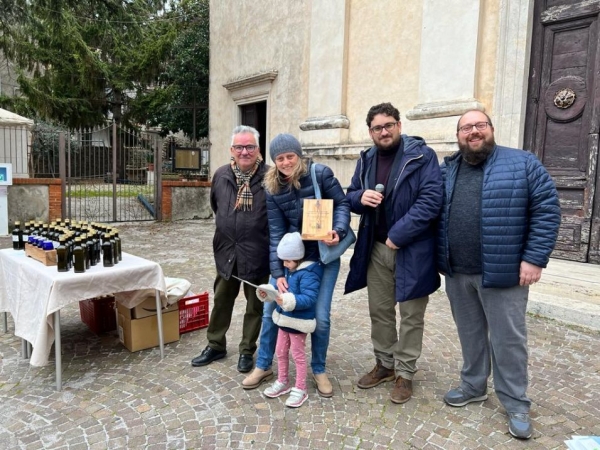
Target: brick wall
[(54, 193), (55, 198), (167, 194)]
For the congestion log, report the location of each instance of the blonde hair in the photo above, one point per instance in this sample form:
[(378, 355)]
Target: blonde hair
[(274, 184)]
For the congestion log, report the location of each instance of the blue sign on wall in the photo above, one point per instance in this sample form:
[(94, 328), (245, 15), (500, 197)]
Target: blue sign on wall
[(5, 174)]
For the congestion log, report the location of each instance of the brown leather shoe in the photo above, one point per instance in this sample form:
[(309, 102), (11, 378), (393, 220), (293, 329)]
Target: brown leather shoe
[(376, 376), (402, 391)]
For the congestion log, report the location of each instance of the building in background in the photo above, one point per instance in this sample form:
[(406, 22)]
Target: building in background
[(15, 142), (313, 69)]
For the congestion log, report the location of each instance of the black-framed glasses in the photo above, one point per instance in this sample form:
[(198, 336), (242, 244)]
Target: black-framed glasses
[(379, 128), (241, 148), (466, 129)]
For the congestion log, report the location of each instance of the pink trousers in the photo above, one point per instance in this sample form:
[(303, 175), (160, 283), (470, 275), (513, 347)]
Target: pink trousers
[(295, 341)]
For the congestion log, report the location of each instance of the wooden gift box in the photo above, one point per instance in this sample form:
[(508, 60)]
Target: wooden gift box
[(48, 257)]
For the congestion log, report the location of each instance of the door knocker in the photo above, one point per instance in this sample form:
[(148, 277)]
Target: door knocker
[(564, 98)]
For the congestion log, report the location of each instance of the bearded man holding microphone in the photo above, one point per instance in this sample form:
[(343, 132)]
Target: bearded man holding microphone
[(397, 190)]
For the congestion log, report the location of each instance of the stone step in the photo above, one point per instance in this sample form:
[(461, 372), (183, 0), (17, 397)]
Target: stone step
[(565, 309)]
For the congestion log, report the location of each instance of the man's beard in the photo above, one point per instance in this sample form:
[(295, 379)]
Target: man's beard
[(393, 145), (477, 157)]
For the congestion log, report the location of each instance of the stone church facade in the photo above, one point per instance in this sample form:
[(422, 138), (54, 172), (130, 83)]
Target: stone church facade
[(313, 68)]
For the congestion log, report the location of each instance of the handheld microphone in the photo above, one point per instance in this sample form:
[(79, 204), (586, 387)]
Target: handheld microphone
[(379, 188)]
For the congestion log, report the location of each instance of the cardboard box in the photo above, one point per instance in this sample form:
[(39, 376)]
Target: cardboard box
[(140, 334), (148, 308)]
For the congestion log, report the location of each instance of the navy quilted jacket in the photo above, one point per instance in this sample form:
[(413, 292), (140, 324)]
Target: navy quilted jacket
[(520, 215), (284, 211)]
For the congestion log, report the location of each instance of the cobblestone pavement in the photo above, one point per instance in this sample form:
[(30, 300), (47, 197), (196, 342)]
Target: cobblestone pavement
[(116, 399)]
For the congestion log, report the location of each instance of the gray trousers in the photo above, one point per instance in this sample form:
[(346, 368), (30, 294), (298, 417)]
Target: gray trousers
[(397, 348), (492, 327)]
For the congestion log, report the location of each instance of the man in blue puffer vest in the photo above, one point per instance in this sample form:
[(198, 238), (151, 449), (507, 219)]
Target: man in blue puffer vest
[(397, 190), (498, 227)]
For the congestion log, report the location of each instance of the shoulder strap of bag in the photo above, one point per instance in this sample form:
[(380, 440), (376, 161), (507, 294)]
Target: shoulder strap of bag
[(313, 175)]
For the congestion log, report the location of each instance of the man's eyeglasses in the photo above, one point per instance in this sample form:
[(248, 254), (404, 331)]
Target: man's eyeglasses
[(466, 129), (248, 148), (379, 128)]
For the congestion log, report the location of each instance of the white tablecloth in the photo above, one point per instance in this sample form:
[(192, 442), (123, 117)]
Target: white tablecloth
[(31, 292)]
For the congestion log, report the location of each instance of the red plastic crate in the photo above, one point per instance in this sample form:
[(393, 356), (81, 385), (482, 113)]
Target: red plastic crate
[(99, 314), (193, 313)]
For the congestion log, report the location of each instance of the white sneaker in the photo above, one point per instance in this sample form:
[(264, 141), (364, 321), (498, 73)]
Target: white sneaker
[(276, 389), (296, 398)]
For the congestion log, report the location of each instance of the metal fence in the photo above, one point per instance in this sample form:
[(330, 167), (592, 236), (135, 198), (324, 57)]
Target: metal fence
[(110, 173)]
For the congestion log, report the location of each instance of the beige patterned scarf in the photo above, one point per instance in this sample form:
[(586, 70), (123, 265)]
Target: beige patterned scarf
[(244, 195)]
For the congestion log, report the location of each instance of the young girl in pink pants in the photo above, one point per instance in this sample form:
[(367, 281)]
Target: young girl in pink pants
[(295, 317)]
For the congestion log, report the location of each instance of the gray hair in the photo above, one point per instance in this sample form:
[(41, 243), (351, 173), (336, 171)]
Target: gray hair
[(240, 129)]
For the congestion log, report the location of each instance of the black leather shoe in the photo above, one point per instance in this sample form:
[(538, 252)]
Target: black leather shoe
[(246, 363), (207, 356)]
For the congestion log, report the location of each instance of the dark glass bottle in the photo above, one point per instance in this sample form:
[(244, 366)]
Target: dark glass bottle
[(62, 255), (70, 244), (91, 248), (79, 256), (17, 236), (113, 245), (54, 233), (33, 230), (44, 232), (86, 254), (118, 242), (26, 233), (95, 249), (102, 233), (107, 257), (50, 235)]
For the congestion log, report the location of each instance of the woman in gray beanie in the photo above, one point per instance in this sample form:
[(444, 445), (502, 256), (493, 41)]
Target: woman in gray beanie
[(287, 184)]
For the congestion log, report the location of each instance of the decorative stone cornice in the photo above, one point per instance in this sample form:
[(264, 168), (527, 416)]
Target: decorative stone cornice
[(443, 109), (251, 80), (325, 123)]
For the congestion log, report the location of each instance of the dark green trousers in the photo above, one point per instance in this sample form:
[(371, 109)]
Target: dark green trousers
[(226, 291)]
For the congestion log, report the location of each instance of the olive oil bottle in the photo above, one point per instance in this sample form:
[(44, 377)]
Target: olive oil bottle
[(79, 256), (62, 255), (107, 255)]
